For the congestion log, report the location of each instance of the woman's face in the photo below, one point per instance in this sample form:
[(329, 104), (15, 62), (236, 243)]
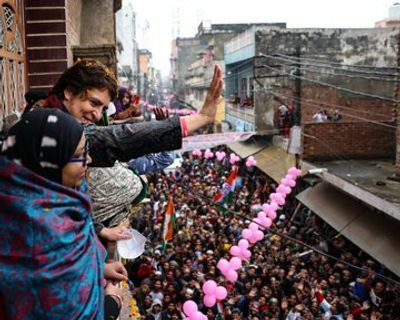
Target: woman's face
[(126, 98), (88, 108), (73, 172)]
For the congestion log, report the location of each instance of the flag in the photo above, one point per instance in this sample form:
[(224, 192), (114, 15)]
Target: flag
[(224, 195), (169, 222)]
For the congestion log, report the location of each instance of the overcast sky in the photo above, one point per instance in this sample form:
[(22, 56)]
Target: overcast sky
[(161, 14)]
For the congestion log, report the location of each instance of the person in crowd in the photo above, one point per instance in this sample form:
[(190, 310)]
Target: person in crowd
[(320, 116), (132, 112), (52, 264), (122, 100)]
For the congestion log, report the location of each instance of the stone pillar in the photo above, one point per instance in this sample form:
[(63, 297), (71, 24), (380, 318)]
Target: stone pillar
[(97, 34)]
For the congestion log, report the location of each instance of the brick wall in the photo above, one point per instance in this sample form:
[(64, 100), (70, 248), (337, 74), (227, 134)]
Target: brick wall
[(334, 141), (46, 42)]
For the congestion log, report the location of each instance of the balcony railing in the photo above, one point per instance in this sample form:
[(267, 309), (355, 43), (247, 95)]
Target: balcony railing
[(244, 113)]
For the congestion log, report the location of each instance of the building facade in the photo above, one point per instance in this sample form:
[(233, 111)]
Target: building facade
[(128, 57)]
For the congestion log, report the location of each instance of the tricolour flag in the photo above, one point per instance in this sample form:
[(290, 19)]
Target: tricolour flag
[(225, 193), (169, 222)]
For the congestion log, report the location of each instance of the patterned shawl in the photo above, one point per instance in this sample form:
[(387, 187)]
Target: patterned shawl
[(112, 190), (51, 262)]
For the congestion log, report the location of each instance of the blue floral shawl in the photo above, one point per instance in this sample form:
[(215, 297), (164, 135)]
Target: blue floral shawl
[(51, 262)]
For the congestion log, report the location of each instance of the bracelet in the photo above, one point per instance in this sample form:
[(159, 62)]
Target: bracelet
[(184, 128), (119, 299)]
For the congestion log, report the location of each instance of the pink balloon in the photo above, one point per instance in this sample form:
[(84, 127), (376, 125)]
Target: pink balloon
[(232, 161), (281, 189), (208, 154), (285, 182), (209, 300), (280, 199), (204, 317), (189, 308), (253, 238), (272, 215), (288, 190), (290, 177), (246, 233), (231, 276), (235, 263), (221, 293), (257, 221), (294, 172), (196, 316), (261, 215), (265, 207), (274, 206), (272, 196), (209, 287), (246, 254), (223, 265), (267, 222), (243, 244), (290, 183), (253, 227), (259, 235), (235, 251)]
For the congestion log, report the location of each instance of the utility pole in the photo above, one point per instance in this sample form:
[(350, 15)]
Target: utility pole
[(297, 90)]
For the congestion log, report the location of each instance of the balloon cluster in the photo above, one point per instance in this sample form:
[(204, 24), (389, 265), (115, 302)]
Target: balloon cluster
[(192, 311), (228, 268), (208, 154), (197, 153), (233, 158), (252, 234), (220, 155), (241, 250), (212, 293), (251, 162)]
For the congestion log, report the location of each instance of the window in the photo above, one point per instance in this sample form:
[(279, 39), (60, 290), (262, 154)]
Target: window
[(12, 58)]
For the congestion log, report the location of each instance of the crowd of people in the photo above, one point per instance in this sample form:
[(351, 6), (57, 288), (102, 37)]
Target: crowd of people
[(282, 280), (66, 184)]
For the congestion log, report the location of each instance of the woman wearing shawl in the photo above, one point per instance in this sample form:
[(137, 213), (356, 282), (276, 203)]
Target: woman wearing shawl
[(51, 263), (123, 99)]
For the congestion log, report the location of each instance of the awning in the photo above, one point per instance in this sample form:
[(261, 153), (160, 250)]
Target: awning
[(247, 148), (275, 162), (374, 232)]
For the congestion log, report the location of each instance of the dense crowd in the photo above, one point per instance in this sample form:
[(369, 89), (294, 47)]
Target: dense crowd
[(65, 183), (282, 280)]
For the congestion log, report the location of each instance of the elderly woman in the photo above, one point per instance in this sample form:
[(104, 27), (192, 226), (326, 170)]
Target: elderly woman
[(51, 262)]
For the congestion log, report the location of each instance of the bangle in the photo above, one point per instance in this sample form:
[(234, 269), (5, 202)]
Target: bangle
[(184, 128), (119, 298)]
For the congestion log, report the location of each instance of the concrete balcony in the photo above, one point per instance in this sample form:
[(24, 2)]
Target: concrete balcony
[(244, 113)]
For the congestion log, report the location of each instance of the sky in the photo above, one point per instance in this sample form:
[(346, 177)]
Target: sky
[(158, 19)]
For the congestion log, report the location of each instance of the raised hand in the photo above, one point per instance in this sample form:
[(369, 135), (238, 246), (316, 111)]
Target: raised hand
[(160, 113), (213, 96)]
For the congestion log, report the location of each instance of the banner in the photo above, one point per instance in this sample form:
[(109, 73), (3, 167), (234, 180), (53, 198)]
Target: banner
[(207, 141)]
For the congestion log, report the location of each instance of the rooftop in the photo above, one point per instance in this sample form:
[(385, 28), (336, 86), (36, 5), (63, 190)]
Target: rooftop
[(375, 182)]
